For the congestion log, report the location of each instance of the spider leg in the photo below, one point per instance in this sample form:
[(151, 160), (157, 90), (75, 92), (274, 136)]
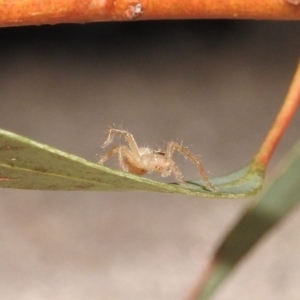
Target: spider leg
[(128, 137), (123, 153), (172, 146), (109, 154), (178, 175), (128, 161)]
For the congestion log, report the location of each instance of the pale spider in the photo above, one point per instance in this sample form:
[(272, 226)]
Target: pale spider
[(142, 160)]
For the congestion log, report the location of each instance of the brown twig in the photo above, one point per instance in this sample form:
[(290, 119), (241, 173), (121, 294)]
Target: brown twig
[(37, 12), (282, 121)]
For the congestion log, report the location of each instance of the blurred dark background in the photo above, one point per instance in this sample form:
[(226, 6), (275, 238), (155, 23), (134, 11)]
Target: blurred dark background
[(215, 85)]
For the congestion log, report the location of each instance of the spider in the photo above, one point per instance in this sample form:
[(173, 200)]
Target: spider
[(142, 160)]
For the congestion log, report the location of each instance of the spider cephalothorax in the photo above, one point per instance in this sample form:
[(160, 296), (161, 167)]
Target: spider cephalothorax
[(142, 160)]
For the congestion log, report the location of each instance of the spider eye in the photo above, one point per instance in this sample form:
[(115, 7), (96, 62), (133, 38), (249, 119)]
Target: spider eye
[(160, 152)]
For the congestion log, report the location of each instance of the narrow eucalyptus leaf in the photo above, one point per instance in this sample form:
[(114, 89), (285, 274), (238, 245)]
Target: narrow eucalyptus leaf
[(26, 164)]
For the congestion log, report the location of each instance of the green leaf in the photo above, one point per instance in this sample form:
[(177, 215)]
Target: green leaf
[(26, 164), (274, 203)]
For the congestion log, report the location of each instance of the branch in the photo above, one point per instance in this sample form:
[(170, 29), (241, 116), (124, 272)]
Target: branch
[(37, 12), (283, 119)]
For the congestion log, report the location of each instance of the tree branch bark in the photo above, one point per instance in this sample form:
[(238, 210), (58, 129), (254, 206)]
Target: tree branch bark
[(37, 12)]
